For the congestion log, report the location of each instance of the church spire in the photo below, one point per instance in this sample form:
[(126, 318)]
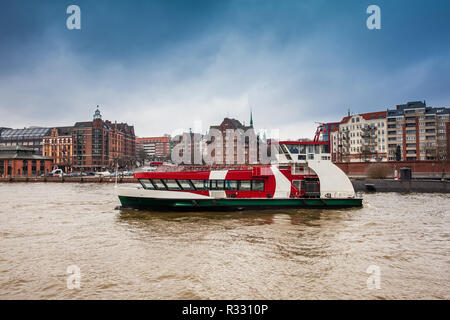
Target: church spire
[(251, 118)]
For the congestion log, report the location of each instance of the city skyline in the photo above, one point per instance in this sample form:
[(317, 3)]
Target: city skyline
[(163, 67)]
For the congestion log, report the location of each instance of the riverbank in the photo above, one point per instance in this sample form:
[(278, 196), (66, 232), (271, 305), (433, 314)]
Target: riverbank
[(359, 184), (88, 179)]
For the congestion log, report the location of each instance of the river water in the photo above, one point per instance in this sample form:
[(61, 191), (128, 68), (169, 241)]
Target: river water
[(403, 240)]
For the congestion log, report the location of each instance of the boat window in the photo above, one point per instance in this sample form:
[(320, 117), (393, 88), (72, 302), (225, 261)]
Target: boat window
[(310, 157), (310, 149), (217, 184), (185, 184), (302, 149), (147, 184), (298, 169), (201, 184), (245, 185), (231, 185), (317, 149), (301, 157), (172, 184), (293, 149), (159, 184), (299, 184), (258, 185)]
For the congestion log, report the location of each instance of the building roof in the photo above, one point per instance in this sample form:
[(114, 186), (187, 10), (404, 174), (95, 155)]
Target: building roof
[(438, 111), (399, 111), (374, 115), (394, 113), (17, 147), (24, 134), (84, 124), (62, 131), (122, 127), (236, 124), (366, 116), (19, 152), (345, 119), (65, 131), (412, 105)]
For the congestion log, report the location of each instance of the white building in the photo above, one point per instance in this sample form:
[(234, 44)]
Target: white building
[(360, 138)]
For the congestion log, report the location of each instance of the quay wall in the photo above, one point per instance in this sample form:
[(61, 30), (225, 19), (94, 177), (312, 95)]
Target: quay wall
[(419, 169), (389, 185)]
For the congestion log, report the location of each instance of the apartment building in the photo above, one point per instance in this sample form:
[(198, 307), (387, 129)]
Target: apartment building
[(417, 132), (360, 138)]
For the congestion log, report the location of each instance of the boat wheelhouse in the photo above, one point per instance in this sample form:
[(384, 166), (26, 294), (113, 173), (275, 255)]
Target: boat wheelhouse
[(304, 177)]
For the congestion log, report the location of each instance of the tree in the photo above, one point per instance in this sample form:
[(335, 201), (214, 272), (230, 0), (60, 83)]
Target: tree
[(398, 154)]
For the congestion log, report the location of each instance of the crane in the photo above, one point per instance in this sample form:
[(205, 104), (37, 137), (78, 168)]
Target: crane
[(318, 131)]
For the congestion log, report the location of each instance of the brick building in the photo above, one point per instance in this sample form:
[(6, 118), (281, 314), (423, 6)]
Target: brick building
[(22, 161), (58, 146), (99, 145), (158, 147), (418, 132), (232, 128)]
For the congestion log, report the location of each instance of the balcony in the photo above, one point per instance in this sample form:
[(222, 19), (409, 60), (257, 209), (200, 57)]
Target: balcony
[(369, 128)]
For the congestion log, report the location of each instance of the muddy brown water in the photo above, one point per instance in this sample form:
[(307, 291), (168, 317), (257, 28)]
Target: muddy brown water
[(278, 254)]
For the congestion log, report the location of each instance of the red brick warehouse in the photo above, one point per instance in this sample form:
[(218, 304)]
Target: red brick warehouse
[(22, 161)]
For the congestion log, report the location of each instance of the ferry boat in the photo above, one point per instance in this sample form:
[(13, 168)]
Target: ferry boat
[(304, 177)]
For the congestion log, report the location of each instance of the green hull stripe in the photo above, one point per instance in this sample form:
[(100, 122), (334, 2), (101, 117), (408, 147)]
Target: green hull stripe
[(174, 203)]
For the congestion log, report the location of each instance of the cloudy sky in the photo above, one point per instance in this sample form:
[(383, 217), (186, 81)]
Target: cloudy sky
[(167, 65)]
